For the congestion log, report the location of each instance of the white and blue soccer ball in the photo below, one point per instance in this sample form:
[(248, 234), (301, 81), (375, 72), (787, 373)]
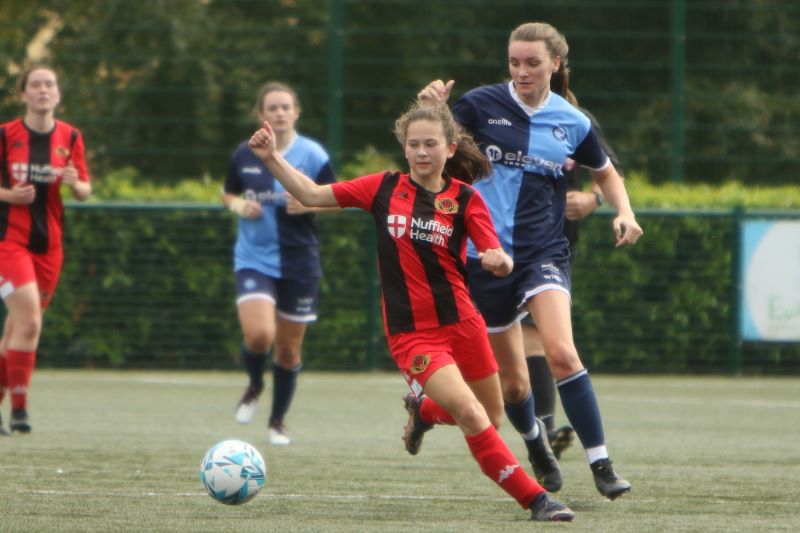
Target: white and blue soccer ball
[(233, 472)]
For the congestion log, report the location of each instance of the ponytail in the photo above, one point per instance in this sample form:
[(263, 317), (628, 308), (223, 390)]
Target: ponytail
[(559, 84), (468, 164)]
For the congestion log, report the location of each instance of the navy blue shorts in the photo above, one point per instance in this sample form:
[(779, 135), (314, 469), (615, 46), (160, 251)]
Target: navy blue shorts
[(294, 300), (503, 301)]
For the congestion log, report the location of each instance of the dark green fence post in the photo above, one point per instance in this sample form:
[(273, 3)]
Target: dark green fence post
[(736, 292), (335, 82), (678, 149)]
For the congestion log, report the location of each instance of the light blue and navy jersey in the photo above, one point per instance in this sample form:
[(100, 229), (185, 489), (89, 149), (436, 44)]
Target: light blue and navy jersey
[(277, 244), (526, 192)]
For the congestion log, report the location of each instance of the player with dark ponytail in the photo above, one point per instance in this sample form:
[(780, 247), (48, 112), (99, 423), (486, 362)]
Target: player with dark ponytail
[(436, 336), (529, 132), (580, 204)]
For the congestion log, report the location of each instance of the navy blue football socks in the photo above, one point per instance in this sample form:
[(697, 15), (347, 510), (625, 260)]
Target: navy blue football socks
[(254, 364), (521, 415), (580, 405), (544, 389), (284, 382)]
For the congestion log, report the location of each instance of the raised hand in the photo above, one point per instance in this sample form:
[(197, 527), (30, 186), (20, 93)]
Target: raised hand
[(70, 174), (262, 143), (436, 92)]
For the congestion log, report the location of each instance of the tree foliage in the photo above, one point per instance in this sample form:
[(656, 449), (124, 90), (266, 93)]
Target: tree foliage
[(168, 86)]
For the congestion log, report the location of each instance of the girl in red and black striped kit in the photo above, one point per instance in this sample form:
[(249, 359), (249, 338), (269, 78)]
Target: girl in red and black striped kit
[(436, 335), (37, 154)]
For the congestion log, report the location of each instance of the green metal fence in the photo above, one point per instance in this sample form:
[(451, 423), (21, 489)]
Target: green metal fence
[(701, 91), (151, 286)]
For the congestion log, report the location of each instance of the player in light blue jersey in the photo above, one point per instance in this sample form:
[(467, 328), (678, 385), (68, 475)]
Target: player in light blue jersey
[(579, 205), (276, 257), (529, 132)]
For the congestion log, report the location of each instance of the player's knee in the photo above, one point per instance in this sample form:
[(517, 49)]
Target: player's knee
[(287, 356), (471, 414), (27, 329), (258, 341), (563, 359), (515, 389)]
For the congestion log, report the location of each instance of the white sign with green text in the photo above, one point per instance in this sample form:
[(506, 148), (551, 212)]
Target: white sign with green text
[(770, 283)]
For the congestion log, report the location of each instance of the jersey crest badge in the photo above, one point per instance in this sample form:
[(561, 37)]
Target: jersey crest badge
[(62, 151), (448, 206), (421, 362)]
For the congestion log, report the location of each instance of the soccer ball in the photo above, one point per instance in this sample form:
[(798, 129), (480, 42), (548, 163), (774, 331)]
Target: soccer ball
[(233, 472)]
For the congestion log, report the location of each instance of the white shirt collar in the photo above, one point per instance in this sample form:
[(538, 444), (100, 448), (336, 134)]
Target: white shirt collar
[(525, 107)]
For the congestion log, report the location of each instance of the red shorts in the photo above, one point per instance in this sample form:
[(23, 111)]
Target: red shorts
[(19, 266), (418, 354)]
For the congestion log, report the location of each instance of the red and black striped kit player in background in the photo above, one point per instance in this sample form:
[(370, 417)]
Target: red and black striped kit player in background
[(37, 154), (436, 336)]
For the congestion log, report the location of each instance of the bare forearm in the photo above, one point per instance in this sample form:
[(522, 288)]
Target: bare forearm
[(81, 190), (626, 229), (324, 209), (296, 183), (613, 189)]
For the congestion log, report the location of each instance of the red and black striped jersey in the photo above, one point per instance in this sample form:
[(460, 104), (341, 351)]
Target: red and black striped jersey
[(422, 239), (37, 158)]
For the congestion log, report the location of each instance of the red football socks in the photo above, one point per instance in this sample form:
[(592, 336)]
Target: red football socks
[(433, 413), (3, 378), (500, 465), (19, 367)]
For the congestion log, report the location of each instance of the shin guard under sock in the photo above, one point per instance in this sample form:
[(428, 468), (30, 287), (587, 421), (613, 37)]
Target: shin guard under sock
[(3, 378), (19, 368), (499, 464), (544, 389), (284, 383), (580, 406), (254, 364)]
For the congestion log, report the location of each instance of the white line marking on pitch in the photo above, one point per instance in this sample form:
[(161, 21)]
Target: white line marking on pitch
[(274, 496), (296, 496)]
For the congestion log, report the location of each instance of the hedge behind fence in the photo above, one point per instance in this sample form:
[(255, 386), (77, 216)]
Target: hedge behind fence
[(152, 287)]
